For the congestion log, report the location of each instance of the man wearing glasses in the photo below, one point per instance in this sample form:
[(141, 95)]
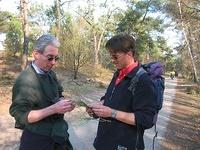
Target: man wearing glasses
[(38, 105), (124, 116)]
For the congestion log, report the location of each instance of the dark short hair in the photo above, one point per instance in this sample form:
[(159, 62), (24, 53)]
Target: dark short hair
[(45, 40), (121, 43)]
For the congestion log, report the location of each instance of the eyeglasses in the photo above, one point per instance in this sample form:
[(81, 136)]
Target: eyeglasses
[(115, 56), (51, 58)]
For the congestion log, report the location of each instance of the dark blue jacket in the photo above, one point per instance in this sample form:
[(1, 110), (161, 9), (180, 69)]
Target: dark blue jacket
[(116, 135)]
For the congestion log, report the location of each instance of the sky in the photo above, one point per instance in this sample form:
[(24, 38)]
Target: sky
[(11, 5), (172, 37), (8, 5)]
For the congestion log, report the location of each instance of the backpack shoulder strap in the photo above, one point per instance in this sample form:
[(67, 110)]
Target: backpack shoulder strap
[(135, 79), (140, 72)]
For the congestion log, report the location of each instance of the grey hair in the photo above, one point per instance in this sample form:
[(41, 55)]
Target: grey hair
[(44, 41)]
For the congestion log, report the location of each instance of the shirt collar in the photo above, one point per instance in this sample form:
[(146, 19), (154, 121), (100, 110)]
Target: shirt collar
[(125, 71), (37, 69), (128, 69)]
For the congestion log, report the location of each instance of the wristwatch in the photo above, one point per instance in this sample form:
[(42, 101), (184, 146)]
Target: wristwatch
[(113, 113)]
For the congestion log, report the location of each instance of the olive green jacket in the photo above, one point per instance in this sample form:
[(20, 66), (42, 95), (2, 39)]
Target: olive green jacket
[(32, 91)]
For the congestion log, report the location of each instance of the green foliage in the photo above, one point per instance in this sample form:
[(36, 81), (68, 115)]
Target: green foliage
[(14, 35), (39, 22), (4, 20), (37, 14), (80, 35), (129, 22), (187, 17), (75, 47), (66, 22), (51, 14), (146, 28)]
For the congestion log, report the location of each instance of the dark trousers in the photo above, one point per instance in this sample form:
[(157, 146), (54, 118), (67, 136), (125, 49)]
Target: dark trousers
[(32, 141)]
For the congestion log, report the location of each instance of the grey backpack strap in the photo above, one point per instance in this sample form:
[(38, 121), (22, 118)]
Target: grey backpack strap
[(135, 79)]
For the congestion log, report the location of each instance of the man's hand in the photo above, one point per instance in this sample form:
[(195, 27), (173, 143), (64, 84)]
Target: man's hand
[(91, 113), (103, 111), (100, 110), (63, 106)]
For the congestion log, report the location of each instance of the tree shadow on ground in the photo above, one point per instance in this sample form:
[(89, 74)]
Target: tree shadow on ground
[(183, 129)]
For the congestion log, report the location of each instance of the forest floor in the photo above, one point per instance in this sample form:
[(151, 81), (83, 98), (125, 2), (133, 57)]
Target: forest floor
[(182, 128)]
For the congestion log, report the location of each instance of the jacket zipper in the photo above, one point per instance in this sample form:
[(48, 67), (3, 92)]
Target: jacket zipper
[(112, 93)]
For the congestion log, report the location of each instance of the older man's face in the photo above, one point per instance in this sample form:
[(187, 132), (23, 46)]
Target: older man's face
[(47, 59)]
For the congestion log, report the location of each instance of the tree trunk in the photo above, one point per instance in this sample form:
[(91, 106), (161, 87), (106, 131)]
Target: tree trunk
[(96, 57), (24, 15), (192, 55), (58, 18), (99, 45), (188, 41)]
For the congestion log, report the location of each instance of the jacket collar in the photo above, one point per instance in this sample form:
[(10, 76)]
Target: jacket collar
[(130, 74), (133, 72), (37, 69)]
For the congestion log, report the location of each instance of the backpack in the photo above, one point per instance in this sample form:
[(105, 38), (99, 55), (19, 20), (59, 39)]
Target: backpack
[(155, 70)]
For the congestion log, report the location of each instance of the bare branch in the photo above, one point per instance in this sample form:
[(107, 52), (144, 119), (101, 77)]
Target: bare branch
[(61, 4), (147, 7), (84, 18)]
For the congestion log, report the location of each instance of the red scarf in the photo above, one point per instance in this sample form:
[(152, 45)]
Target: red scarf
[(123, 72)]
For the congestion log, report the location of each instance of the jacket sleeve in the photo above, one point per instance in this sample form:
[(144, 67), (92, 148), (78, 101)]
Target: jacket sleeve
[(21, 103), (145, 102)]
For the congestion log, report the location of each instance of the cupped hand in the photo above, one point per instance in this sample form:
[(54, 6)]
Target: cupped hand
[(63, 106), (91, 113), (100, 110)]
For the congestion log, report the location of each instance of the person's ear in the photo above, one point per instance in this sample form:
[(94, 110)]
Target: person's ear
[(36, 54)]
